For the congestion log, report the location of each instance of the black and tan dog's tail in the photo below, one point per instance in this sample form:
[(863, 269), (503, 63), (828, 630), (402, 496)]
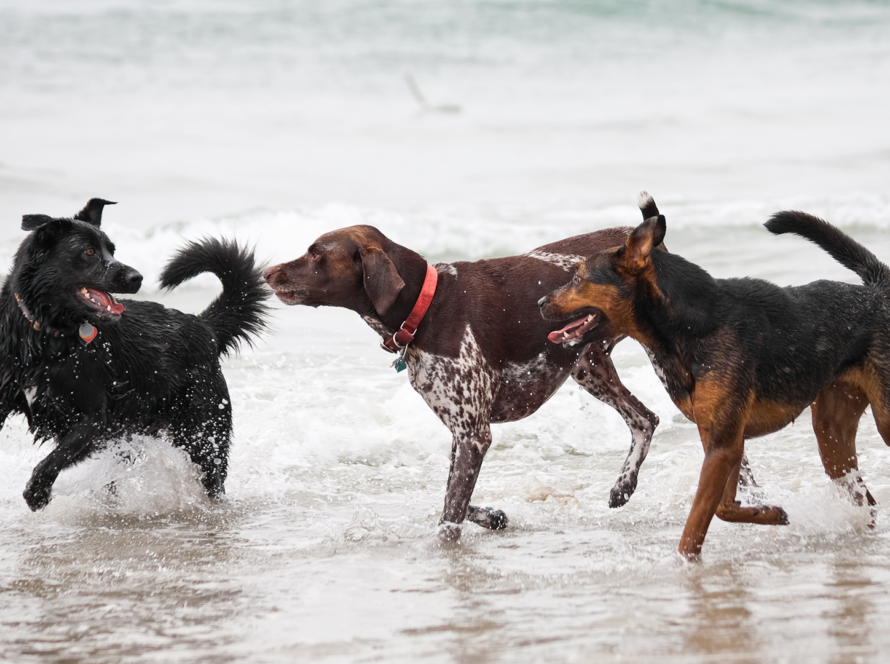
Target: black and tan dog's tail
[(840, 246), (240, 310)]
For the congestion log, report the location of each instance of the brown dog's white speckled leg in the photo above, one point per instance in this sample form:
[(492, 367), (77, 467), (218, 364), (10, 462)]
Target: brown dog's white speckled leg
[(596, 374), (467, 452)]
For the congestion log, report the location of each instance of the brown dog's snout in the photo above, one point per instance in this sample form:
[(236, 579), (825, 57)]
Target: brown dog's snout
[(273, 275)]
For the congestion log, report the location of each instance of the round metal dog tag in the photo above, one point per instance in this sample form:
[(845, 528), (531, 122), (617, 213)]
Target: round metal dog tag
[(87, 332)]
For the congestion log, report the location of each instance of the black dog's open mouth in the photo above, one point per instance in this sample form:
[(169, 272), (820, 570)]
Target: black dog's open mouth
[(576, 329), (101, 301)]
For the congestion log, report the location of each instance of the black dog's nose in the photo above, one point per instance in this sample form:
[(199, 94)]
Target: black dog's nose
[(133, 278)]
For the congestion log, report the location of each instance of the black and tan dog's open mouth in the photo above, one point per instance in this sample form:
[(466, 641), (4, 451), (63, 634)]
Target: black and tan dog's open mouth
[(576, 329), (102, 301)]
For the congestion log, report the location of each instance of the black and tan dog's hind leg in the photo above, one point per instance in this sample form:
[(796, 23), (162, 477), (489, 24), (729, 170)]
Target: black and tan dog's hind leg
[(836, 414)]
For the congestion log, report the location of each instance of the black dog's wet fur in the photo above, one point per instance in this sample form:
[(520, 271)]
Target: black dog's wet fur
[(149, 370)]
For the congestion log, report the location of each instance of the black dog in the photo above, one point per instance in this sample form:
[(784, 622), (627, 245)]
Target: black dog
[(85, 368)]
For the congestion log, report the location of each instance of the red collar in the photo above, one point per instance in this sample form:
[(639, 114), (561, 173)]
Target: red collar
[(405, 335)]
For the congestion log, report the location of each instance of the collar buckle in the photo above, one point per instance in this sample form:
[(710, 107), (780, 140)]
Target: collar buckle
[(405, 333)]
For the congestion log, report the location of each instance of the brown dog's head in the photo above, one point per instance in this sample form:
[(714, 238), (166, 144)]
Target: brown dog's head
[(350, 267), (603, 290)]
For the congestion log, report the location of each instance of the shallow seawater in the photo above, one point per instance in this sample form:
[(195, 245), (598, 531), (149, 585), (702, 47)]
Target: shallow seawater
[(325, 546), (274, 122)]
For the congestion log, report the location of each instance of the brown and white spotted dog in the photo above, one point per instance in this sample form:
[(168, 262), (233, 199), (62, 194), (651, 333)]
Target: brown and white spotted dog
[(481, 354)]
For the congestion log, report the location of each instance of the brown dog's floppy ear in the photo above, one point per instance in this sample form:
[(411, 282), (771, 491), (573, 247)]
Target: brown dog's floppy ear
[(642, 240), (382, 280)]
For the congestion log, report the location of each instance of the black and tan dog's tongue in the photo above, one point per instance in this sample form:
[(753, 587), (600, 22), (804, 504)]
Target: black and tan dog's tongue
[(574, 330)]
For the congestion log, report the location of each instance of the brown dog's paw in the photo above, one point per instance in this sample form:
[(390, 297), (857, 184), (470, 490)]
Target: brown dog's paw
[(622, 491), (487, 517), (448, 532)]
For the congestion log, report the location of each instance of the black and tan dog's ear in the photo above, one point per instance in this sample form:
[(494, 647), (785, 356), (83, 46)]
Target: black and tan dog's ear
[(642, 240), (382, 280), (92, 211)]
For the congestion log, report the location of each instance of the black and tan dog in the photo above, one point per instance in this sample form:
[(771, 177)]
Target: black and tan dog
[(85, 368), (742, 357)]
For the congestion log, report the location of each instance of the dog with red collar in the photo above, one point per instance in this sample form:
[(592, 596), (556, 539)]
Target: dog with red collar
[(472, 340)]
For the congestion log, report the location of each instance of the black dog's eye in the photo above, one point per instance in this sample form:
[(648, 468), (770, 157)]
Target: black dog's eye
[(89, 252)]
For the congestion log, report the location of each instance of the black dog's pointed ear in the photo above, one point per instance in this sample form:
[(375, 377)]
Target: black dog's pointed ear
[(642, 240), (381, 278), (92, 211), (31, 222)]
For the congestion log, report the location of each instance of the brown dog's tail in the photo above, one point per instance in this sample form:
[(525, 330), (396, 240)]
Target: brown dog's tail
[(647, 205), (240, 310), (840, 246)]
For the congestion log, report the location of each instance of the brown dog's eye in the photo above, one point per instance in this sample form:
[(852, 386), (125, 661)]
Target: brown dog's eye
[(576, 280), (90, 252)]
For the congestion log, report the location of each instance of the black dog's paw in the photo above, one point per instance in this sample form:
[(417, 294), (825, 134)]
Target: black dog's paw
[(487, 517), (622, 491), (37, 495)]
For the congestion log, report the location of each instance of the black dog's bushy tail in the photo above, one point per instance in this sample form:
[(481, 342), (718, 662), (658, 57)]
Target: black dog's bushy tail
[(840, 246), (240, 309)]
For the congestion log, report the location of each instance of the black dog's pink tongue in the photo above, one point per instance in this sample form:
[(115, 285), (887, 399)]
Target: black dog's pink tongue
[(107, 301)]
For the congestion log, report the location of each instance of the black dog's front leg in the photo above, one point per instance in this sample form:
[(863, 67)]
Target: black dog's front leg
[(73, 447), (467, 452)]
